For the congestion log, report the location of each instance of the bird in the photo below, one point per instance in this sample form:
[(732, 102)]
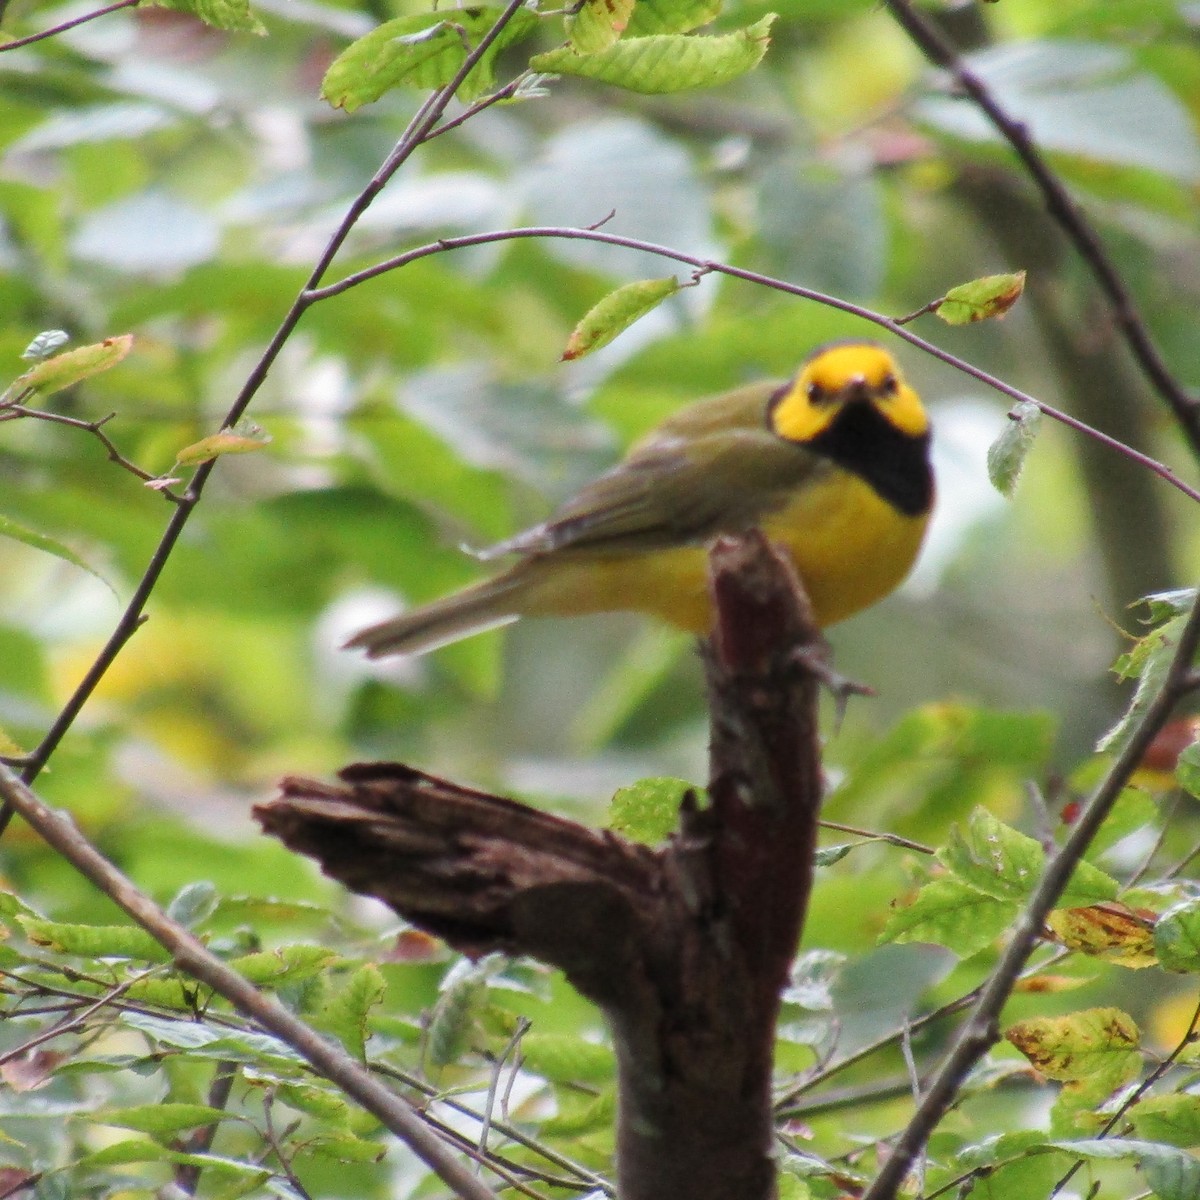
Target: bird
[(833, 465)]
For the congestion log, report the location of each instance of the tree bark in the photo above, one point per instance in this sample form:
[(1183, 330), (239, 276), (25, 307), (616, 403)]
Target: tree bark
[(684, 948)]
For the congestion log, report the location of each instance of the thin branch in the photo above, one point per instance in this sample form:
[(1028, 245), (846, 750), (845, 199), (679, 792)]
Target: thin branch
[(75, 1023), (871, 835), (1138, 1092), (1064, 209), (190, 955), (93, 427), (133, 616), (981, 1030), (593, 234), (17, 43), (187, 1175)]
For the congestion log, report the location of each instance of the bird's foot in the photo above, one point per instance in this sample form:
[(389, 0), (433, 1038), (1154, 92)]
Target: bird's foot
[(816, 658)]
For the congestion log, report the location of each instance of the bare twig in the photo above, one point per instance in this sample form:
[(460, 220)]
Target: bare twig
[(594, 234), (93, 427), (190, 955), (133, 615), (871, 835), (187, 1175), (54, 30), (981, 1030), (1064, 209)]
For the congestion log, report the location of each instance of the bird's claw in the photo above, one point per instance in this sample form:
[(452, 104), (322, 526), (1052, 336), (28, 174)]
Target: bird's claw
[(815, 658)]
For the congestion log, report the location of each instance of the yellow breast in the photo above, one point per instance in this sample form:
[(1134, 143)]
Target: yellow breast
[(850, 548)]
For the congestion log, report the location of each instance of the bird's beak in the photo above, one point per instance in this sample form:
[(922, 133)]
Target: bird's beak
[(856, 389)]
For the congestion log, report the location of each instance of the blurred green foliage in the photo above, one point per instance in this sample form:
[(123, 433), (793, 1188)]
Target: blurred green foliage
[(178, 180)]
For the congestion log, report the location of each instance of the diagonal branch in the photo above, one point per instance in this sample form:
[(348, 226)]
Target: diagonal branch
[(190, 955), (981, 1030), (1065, 210)]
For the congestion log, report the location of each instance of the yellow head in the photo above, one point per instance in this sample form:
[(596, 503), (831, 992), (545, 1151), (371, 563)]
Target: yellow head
[(837, 376)]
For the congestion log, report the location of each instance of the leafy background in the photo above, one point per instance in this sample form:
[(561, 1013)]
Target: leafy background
[(177, 180)]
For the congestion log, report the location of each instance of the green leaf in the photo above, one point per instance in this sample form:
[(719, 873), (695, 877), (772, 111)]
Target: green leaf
[(286, 964), (665, 63), (423, 50), (1098, 1046), (46, 343), (53, 374), (345, 1013), (615, 313), (1177, 937), (1172, 1174), (1173, 1120), (39, 541), (1150, 661), (950, 913), (564, 1059), (980, 299), (1007, 454), (462, 999), (1187, 768), (998, 860), (345, 1147), (671, 16), (233, 15), (648, 811), (94, 941), (243, 438), (193, 903), (162, 1119), (598, 24)]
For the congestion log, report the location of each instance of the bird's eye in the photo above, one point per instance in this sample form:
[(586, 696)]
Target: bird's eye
[(816, 393), (889, 385)]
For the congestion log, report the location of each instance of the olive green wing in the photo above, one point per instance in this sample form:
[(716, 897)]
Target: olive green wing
[(713, 468)]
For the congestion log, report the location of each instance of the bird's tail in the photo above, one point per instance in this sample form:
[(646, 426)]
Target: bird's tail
[(486, 605)]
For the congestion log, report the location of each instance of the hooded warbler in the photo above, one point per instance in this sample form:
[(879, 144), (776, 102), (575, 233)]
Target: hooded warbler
[(833, 465)]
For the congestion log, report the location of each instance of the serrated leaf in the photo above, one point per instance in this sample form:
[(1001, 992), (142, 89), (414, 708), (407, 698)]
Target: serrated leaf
[(233, 15), (1187, 769), (598, 24), (1007, 864), (345, 1147), (243, 438), (39, 541), (162, 1119), (53, 374), (614, 314), (422, 50), (950, 913), (1096, 1045), (1177, 937), (94, 941), (1173, 1120), (665, 63), (46, 343), (671, 16), (1007, 454), (1110, 931), (139, 1150), (463, 996), (980, 299), (564, 1059), (285, 964), (1149, 661), (345, 1013), (193, 903), (648, 811), (1171, 1174)]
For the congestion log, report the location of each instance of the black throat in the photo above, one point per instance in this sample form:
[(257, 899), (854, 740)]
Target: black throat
[(894, 463)]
